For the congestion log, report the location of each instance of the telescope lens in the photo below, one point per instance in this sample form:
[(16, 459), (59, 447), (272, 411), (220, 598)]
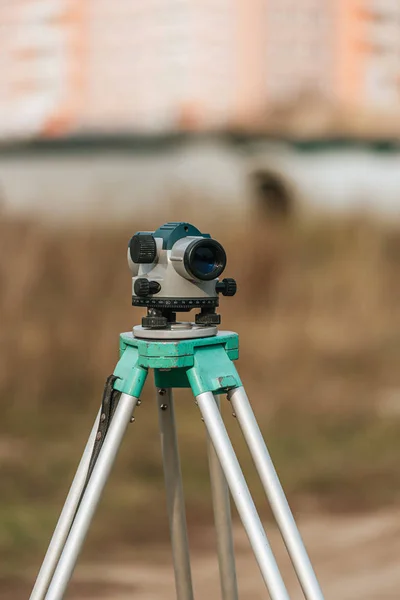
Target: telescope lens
[(205, 259)]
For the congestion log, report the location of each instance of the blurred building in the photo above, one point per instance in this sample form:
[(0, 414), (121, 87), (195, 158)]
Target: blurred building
[(381, 64), (93, 66), (301, 48)]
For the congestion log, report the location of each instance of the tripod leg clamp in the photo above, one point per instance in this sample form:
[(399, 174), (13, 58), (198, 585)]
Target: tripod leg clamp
[(213, 371), (131, 376)]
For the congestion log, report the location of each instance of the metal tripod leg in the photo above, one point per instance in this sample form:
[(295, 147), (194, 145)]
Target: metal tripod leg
[(91, 497), (223, 523), (65, 521), (241, 495), (175, 498), (275, 494)]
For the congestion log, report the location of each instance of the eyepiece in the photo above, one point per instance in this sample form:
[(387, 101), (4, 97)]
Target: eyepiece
[(204, 259)]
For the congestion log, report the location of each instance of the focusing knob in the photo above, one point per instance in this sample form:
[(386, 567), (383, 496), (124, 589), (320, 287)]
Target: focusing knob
[(143, 248), (226, 287), (144, 287)]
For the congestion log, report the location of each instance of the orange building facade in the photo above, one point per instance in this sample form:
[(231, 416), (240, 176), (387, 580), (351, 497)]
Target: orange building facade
[(98, 66)]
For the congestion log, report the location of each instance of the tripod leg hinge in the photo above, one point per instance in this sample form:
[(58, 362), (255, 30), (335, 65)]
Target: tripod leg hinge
[(131, 376), (213, 371)]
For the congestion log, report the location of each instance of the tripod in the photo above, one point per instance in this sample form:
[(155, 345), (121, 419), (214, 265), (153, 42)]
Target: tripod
[(184, 358)]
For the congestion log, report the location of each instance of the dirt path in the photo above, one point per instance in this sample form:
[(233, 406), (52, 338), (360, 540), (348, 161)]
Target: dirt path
[(355, 558)]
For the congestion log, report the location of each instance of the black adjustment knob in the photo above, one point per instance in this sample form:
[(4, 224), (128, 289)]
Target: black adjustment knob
[(150, 322), (144, 287), (226, 287), (143, 248), (207, 318)]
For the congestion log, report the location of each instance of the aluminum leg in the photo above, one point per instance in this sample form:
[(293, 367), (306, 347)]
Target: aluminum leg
[(275, 494), (65, 521), (175, 498), (242, 497), (223, 523), (91, 497)]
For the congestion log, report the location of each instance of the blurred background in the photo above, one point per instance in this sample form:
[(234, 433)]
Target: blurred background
[(275, 125)]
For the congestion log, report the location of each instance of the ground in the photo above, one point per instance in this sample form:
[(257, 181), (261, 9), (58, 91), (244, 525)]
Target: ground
[(355, 557)]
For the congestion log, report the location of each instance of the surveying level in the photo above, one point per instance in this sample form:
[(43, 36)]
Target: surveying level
[(176, 269)]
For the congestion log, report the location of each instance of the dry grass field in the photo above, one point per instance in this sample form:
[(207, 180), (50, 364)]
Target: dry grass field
[(318, 313)]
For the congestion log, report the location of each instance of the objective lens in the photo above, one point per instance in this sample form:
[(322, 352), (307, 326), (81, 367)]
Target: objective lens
[(205, 259)]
